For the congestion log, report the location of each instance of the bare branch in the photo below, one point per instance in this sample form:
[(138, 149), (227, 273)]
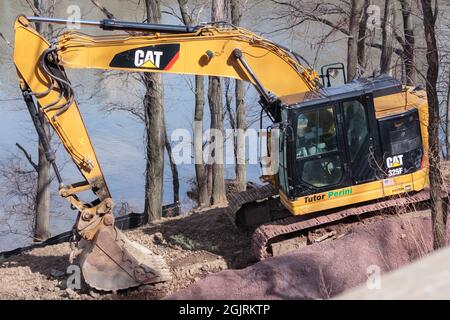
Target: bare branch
[(317, 14), (28, 156), (6, 40), (102, 8), (35, 10)]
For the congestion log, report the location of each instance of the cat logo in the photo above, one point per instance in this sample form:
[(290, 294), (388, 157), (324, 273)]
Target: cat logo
[(147, 59), (159, 57), (395, 161)]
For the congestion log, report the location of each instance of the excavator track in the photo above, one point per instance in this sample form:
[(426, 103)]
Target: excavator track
[(270, 232), (265, 235), (255, 194)]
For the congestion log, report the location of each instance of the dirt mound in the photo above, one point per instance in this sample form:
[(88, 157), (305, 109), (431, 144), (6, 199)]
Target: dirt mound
[(200, 246), (193, 246), (325, 269)]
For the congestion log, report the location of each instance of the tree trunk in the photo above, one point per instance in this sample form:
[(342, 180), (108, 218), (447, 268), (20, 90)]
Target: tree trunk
[(409, 43), (447, 127), (352, 45), (387, 45), (201, 177), (41, 222), (173, 168), (202, 184), (43, 194), (438, 214), (187, 19), (216, 109), (241, 174), (155, 131), (362, 35)]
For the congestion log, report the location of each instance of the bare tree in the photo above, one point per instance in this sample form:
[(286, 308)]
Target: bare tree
[(356, 7), (447, 125), (363, 34), (142, 113), (202, 188), (43, 193), (173, 168), (341, 16), (216, 108), (409, 42), (387, 42), (155, 130), (439, 216), (241, 177), (18, 187)]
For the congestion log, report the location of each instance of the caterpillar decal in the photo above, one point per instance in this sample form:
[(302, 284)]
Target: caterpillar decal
[(394, 162), (159, 57)]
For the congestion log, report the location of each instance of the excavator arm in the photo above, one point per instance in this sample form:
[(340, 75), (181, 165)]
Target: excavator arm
[(111, 261)]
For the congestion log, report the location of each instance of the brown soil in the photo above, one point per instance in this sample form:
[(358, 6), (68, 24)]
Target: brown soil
[(193, 246), (206, 243), (325, 269)]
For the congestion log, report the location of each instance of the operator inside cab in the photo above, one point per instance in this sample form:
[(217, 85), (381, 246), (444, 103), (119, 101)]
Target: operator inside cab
[(316, 133), (316, 145)]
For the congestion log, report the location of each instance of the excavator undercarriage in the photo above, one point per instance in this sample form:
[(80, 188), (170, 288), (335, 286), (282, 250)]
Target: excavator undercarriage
[(276, 224)]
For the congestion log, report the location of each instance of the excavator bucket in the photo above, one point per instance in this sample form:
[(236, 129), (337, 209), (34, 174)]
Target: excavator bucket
[(112, 262)]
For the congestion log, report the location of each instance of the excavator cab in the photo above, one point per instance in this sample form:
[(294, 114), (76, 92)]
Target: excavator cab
[(336, 142)]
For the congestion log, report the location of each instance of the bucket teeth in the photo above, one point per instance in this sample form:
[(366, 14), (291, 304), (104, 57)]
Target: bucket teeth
[(112, 262)]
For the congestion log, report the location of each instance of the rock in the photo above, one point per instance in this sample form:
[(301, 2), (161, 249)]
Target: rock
[(71, 293), (56, 273), (325, 236), (146, 288), (62, 284), (94, 294), (158, 238), (159, 286)]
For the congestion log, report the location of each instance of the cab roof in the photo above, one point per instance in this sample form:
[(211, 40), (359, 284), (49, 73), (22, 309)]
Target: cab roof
[(378, 86)]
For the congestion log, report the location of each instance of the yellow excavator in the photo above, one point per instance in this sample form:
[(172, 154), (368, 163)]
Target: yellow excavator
[(342, 151)]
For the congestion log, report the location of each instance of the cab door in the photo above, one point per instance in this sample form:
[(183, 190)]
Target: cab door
[(360, 138), (320, 161)]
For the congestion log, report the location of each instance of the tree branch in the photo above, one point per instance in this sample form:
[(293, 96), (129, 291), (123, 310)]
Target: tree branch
[(6, 40), (397, 51), (28, 156), (102, 8), (35, 10)]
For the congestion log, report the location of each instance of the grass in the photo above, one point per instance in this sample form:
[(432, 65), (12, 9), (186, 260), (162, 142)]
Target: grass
[(184, 241), (187, 243)]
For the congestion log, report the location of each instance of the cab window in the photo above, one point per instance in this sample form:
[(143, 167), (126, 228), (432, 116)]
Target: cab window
[(316, 133), (317, 148), (356, 126)]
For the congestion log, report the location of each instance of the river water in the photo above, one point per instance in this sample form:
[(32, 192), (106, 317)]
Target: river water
[(118, 137)]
